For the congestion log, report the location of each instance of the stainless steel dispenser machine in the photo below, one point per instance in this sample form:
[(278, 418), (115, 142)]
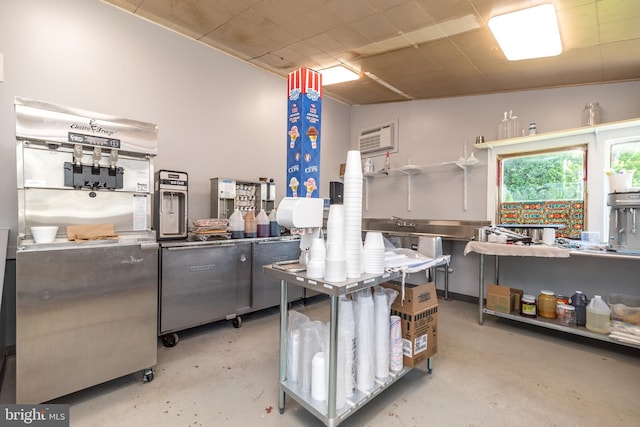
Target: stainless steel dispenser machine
[(624, 234), (171, 204), (86, 310)]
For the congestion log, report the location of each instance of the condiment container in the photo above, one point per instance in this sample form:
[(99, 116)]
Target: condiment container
[(250, 225), (274, 227), (262, 221), (547, 304), (598, 315), (528, 306), (567, 314), (579, 301), (236, 225)]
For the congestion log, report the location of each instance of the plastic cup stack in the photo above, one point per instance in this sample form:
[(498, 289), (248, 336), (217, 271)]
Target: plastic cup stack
[(317, 254), (374, 253), (335, 261), (353, 214)]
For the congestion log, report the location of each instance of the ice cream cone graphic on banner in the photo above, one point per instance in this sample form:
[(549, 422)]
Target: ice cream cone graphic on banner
[(310, 184), (312, 133), (293, 134), (293, 184)]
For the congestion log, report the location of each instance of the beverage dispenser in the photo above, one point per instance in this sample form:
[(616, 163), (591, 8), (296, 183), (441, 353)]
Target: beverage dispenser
[(171, 204), (228, 194)]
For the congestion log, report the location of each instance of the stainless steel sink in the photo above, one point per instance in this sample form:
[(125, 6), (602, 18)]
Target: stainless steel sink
[(414, 228)]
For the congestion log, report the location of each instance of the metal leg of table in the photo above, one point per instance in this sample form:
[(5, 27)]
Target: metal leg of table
[(284, 308), (333, 358), (481, 290), (446, 282)]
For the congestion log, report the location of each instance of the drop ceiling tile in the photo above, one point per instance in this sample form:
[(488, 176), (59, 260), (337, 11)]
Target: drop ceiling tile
[(578, 26), (478, 46), (236, 7), (407, 17), (282, 12), (617, 10), (380, 5), (191, 17), (348, 37), (351, 10), (374, 28), (444, 10), (626, 29)]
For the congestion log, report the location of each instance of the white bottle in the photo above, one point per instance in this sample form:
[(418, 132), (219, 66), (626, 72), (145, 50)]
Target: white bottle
[(598, 315)]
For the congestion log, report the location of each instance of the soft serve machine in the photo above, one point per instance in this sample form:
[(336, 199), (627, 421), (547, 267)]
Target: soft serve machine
[(86, 311), (624, 235)]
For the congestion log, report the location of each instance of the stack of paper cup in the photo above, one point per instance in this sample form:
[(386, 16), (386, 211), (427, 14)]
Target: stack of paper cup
[(353, 213), (335, 261), (317, 254), (374, 253), (395, 344)]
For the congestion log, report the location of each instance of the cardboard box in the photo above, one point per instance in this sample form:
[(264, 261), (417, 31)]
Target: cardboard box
[(304, 113), (503, 298), (419, 334), (418, 318), (416, 297)]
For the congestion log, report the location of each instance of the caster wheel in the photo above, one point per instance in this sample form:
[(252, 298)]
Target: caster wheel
[(147, 375), (236, 322), (170, 340)]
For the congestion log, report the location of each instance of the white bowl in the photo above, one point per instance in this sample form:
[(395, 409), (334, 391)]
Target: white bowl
[(44, 234)]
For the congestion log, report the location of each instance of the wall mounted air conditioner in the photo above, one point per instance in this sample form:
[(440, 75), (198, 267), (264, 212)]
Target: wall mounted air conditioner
[(379, 139)]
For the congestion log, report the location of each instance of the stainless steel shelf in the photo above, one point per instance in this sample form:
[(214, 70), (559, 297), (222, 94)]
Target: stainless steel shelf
[(555, 324), (353, 403)]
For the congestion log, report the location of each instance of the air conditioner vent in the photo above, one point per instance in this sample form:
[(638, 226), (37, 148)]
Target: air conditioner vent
[(380, 138)]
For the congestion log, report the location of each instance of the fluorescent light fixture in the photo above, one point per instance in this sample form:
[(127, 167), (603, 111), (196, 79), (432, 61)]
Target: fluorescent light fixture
[(528, 33), (337, 74)]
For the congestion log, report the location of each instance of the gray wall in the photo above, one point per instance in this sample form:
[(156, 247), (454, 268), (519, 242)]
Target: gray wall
[(435, 131)]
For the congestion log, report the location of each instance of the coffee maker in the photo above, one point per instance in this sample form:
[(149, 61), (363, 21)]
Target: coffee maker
[(624, 235), (171, 188)]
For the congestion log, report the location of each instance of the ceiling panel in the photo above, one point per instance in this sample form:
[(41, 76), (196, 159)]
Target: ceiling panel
[(424, 48)]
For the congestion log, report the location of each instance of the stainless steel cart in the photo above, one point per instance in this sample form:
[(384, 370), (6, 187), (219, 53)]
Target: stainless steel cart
[(328, 413)]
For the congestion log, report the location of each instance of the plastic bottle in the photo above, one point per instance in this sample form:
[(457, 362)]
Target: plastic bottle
[(274, 227), (236, 225), (502, 127), (579, 301), (387, 163), (250, 225), (598, 315), (262, 222), (513, 126)]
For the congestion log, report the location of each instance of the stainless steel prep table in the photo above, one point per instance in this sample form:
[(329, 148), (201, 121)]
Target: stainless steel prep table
[(497, 250), (327, 414)]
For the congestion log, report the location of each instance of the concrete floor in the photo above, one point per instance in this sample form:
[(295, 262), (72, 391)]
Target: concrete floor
[(500, 374)]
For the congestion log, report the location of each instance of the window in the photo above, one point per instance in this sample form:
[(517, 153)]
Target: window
[(544, 188), (626, 157)]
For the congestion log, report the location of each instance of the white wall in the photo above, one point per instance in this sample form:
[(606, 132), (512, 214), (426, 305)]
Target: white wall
[(217, 116), (435, 131)]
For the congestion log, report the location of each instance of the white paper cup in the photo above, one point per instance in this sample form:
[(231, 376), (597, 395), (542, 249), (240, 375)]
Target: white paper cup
[(44, 234)]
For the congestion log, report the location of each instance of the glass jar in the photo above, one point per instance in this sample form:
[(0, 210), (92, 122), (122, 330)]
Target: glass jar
[(528, 306), (547, 304)]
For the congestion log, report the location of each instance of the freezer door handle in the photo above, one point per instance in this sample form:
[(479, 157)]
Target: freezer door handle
[(271, 242), (149, 246), (185, 248)]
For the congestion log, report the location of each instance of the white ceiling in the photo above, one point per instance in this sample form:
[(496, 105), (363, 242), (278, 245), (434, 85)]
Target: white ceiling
[(424, 48)]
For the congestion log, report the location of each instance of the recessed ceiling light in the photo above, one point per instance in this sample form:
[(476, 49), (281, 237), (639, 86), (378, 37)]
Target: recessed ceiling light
[(337, 74), (528, 33)]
